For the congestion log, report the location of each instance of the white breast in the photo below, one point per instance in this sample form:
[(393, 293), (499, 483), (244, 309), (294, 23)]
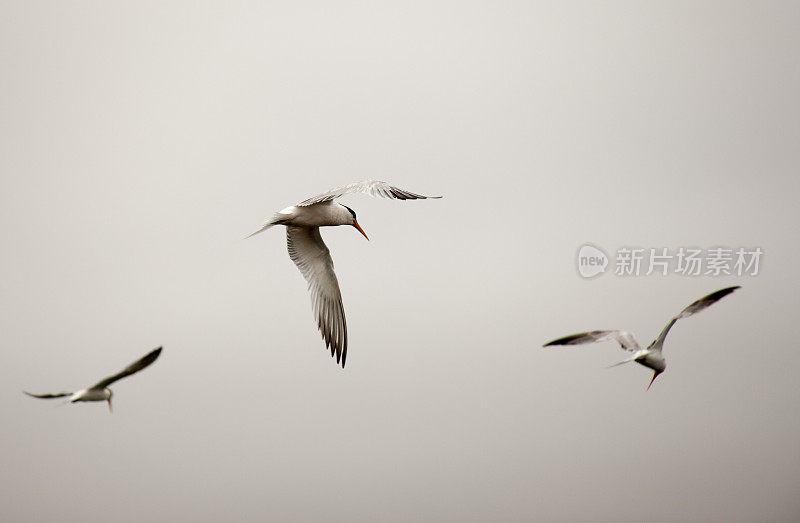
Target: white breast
[(320, 215), (91, 395)]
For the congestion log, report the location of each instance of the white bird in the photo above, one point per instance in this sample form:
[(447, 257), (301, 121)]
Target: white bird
[(100, 391), (652, 356), (312, 257)]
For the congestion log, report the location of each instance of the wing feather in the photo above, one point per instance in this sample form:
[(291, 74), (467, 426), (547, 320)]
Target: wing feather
[(624, 338), (371, 187), (694, 308), (133, 368), (49, 396), (313, 259)]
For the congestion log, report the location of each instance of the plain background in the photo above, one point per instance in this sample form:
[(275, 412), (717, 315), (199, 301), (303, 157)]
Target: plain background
[(141, 141)]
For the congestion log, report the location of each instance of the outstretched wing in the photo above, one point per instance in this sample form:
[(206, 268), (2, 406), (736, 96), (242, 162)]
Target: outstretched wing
[(133, 368), (49, 396), (312, 257), (371, 187), (694, 308), (624, 338)]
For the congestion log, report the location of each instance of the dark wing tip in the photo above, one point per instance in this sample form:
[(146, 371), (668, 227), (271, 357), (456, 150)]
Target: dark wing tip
[(714, 296), (149, 358), (566, 340), (706, 301), (338, 351), (339, 354), (153, 355), (578, 339), (402, 194), (40, 396), (47, 396)]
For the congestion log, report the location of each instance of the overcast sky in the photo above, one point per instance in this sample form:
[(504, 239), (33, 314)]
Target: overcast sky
[(141, 141)]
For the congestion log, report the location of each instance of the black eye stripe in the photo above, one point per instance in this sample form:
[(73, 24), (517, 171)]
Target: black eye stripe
[(351, 211)]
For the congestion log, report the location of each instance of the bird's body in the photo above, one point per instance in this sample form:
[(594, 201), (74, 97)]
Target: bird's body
[(311, 256), (652, 357), (322, 214), (91, 394), (653, 360), (100, 391)]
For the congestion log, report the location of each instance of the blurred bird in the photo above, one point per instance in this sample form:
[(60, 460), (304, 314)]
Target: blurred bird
[(100, 391), (652, 356), (312, 257)]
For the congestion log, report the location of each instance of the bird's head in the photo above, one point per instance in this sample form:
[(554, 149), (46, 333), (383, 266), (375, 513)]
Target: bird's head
[(354, 222)]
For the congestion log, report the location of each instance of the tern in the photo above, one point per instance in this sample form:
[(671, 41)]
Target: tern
[(652, 356), (100, 391), (313, 259)]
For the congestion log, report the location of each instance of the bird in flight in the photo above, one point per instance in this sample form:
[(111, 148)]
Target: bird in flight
[(100, 391), (313, 259), (652, 356)]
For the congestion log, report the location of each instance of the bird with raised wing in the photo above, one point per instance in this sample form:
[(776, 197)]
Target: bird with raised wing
[(312, 257), (100, 391), (652, 357)]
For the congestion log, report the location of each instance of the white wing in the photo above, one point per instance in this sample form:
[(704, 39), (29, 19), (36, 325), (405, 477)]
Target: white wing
[(133, 368), (625, 339), (371, 187), (312, 257), (694, 308)]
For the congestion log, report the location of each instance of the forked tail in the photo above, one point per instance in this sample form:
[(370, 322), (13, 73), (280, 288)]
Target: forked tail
[(274, 221), (623, 362), (262, 229), (639, 354)]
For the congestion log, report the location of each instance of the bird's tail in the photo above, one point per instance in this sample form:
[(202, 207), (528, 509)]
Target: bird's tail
[(639, 354), (264, 227), (277, 219), (623, 362)]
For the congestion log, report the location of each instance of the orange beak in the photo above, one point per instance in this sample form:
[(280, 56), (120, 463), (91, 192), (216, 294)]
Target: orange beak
[(655, 375), (357, 226), (109, 406)]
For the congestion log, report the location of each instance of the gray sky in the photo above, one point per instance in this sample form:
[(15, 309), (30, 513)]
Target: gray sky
[(139, 142)]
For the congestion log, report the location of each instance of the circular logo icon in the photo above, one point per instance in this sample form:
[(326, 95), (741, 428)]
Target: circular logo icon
[(591, 261)]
